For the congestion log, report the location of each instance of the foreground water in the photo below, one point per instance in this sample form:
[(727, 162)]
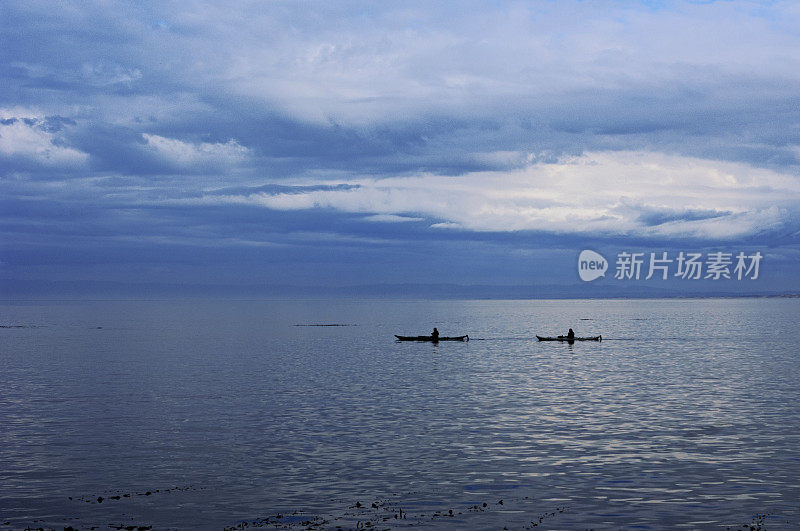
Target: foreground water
[(221, 414)]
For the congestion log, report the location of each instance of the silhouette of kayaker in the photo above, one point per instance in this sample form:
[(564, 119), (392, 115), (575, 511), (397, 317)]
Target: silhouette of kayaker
[(435, 334), (570, 334)]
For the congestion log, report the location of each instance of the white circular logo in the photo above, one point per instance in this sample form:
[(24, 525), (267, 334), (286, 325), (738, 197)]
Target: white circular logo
[(591, 265)]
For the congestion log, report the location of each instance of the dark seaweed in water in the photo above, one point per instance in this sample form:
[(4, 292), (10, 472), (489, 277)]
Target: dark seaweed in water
[(385, 514), (118, 495)]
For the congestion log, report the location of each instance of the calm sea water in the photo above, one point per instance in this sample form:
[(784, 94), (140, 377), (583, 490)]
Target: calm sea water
[(226, 413)]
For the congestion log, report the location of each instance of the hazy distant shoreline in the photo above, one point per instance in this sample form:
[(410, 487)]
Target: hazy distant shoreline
[(88, 290), (305, 297)]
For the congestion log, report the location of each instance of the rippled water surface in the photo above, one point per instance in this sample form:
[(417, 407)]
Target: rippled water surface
[(687, 414)]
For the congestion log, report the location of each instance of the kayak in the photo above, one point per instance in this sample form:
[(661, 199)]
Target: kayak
[(430, 338), (565, 338)]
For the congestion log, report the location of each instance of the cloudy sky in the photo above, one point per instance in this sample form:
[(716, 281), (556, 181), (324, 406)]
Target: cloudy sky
[(317, 144)]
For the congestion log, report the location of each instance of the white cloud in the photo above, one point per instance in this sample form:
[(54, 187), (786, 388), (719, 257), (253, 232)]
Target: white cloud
[(109, 74), (726, 226), (603, 192), (391, 61), (391, 218), (24, 134), (187, 154)]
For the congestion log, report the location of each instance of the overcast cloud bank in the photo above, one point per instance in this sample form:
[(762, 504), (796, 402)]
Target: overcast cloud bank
[(132, 137)]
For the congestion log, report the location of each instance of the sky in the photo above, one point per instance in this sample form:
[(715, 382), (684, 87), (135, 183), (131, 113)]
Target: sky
[(395, 148)]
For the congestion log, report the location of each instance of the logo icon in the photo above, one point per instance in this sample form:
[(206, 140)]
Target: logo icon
[(591, 265)]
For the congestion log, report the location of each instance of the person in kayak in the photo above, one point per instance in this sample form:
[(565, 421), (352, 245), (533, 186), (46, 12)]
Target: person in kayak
[(435, 334), (571, 334)]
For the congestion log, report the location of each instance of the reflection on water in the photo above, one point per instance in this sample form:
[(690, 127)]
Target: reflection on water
[(684, 415)]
